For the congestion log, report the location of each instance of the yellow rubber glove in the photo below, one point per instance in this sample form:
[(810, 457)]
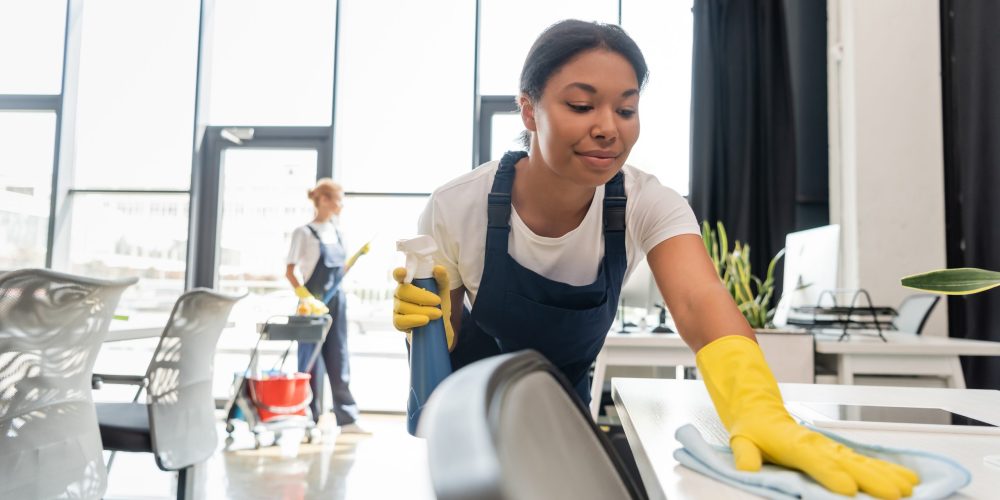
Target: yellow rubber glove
[(414, 307), (354, 258), (749, 404), (314, 306)]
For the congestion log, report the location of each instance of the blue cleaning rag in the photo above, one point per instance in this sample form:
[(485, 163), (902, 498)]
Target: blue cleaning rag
[(939, 475)]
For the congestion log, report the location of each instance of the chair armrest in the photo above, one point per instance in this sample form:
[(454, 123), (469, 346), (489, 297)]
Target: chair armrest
[(99, 379)]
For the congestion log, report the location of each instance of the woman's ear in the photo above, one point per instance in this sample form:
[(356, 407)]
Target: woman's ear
[(527, 112)]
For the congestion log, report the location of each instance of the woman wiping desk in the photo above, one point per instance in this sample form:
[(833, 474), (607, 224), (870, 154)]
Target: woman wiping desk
[(540, 243)]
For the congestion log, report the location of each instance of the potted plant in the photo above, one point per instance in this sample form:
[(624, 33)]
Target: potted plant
[(753, 296)]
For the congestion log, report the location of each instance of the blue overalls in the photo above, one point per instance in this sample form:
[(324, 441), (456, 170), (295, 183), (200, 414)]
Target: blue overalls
[(324, 284), (518, 309)]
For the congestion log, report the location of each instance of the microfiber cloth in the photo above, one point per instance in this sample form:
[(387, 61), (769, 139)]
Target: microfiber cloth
[(939, 475)]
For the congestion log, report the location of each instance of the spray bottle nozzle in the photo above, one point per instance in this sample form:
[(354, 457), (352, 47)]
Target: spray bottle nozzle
[(419, 256)]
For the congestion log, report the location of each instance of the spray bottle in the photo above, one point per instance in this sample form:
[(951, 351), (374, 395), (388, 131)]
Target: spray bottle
[(429, 361)]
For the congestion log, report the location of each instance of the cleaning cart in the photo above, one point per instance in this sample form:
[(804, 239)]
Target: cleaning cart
[(271, 401)]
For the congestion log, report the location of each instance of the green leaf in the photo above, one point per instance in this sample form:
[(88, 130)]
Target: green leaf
[(723, 240), (770, 267), (706, 237), (960, 281)]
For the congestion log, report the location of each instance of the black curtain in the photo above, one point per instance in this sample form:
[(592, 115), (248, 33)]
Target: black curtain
[(742, 128), (970, 60)]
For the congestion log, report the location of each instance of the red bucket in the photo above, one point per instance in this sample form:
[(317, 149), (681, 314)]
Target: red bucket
[(281, 396)]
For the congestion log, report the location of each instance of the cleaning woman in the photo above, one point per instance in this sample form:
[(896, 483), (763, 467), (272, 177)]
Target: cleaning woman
[(317, 250), (540, 242)]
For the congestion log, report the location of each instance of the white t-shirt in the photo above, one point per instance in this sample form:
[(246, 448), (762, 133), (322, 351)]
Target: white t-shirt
[(304, 251), (455, 216)]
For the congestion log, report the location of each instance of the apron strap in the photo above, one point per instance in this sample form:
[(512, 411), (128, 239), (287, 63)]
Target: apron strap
[(498, 203), (614, 215)]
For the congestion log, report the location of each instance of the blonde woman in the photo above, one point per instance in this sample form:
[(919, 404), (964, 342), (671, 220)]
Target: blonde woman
[(317, 253)]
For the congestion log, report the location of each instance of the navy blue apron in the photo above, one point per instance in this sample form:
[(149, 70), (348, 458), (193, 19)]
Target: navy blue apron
[(325, 278), (324, 284), (521, 309)]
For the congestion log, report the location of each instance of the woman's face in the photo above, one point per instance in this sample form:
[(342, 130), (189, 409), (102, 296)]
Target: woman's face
[(334, 203), (587, 119)]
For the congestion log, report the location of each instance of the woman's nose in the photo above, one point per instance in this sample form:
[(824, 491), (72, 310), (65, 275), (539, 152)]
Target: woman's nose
[(604, 127)]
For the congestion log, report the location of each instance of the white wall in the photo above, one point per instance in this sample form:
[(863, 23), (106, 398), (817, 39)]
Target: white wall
[(886, 152)]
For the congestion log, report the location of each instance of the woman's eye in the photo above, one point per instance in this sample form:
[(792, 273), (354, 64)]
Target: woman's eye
[(580, 108), (626, 113)]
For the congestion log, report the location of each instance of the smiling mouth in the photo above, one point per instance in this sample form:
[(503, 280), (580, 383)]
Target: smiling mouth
[(598, 161), (600, 155)]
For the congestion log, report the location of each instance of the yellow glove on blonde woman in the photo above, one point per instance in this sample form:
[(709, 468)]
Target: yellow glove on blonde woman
[(749, 404), (315, 306), (414, 307)]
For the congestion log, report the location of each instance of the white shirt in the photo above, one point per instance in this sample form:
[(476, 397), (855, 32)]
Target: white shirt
[(304, 250), (455, 216)]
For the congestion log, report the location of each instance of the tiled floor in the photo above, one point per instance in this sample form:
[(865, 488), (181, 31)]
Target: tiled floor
[(388, 464)]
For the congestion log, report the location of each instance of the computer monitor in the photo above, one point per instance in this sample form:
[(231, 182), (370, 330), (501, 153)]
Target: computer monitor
[(811, 258), (640, 291)]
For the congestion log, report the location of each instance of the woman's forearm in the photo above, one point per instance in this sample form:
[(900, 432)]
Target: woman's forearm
[(290, 275)]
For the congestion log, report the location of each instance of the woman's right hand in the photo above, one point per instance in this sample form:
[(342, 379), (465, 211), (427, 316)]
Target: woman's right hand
[(414, 307), (313, 306)]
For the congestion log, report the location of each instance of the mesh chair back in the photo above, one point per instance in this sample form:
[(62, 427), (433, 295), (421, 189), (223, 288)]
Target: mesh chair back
[(51, 328), (181, 407), (914, 311), (508, 427)]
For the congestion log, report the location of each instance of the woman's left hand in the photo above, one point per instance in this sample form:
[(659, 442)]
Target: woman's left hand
[(749, 404)]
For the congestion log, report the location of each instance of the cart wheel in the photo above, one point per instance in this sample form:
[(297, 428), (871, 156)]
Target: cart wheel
[(256, 442), (230, 428), (229, 442)]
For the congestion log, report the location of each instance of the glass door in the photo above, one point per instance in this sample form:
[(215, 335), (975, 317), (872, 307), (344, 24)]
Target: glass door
[(261, 198)]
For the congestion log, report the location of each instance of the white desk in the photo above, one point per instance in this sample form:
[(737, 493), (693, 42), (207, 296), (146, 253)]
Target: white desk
[(903, 354), (143, 327), (651, 411), (788, 353), (118, 333)]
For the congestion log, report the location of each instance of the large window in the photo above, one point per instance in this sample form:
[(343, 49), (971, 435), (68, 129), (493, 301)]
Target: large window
[(26, 149), (664, 32), (135, 113), (121, 235), (272, 62), (31, 59), (404, 94), (129, 169), (509, 27), (31, 46)]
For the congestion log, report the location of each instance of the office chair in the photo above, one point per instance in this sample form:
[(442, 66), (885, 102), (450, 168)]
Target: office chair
[(51, 327), (177, 421), (913, 312), (510, 427)]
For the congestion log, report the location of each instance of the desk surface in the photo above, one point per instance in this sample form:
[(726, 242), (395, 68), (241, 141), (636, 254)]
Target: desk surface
[(638, 339), (905, 343), (651, 411), (139, 327), (898, 343)]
